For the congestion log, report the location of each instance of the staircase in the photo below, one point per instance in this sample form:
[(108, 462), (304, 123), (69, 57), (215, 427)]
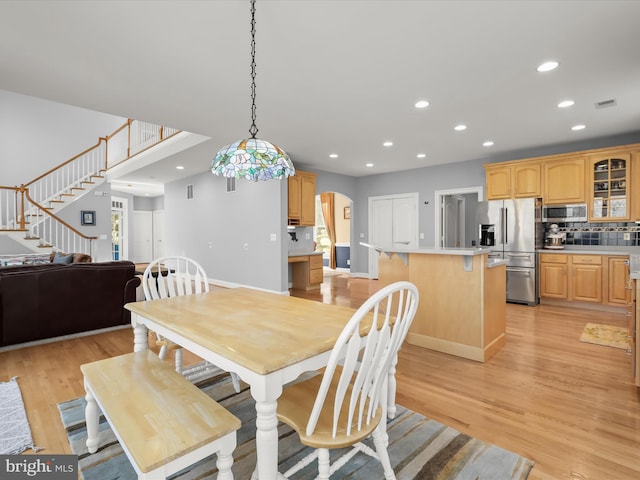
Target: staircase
[(28, 214)]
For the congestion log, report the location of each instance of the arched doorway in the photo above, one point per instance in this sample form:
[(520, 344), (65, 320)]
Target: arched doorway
[(341, 225)]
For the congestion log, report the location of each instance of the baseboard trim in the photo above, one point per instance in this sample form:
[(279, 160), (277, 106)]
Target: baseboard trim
[(44, 341)]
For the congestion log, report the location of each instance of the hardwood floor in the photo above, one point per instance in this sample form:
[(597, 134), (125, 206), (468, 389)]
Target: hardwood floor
[(567, 405)]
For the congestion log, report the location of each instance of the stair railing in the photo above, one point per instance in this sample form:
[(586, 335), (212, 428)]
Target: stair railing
[(53, 232), (72, 178)]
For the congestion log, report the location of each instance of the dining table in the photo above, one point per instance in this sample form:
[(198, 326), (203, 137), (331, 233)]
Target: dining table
[(266, 338)]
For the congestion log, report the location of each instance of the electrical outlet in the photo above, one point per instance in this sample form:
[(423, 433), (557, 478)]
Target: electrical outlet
[(246, 246), (307, 236), (626, 236), (421, 236), (273, 237)]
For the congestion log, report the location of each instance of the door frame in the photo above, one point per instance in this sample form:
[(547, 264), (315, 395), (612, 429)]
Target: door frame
[(438, 201)]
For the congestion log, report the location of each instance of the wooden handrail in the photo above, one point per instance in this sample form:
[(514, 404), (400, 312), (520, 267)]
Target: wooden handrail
[(67, 162), (58, 218)]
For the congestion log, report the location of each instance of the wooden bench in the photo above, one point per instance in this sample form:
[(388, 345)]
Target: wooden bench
[(163, 422)]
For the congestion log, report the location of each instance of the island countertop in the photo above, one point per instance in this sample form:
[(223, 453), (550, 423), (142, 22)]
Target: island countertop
[(465, 252), (428, 250)]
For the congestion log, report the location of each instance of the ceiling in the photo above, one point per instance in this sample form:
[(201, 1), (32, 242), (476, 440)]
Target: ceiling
[(336, 77)]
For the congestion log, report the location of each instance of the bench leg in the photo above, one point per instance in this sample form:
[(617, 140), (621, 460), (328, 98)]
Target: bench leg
[(224, 457), (91, 417)]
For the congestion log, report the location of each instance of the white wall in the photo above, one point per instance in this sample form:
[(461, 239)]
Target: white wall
[(36, 135)]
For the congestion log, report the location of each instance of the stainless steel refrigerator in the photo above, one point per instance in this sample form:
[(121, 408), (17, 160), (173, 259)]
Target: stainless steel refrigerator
[(513, 230)]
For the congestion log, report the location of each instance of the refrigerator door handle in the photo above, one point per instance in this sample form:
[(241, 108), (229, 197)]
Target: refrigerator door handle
[(505, 217)]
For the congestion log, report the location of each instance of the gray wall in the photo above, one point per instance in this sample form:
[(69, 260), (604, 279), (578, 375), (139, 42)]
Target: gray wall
[(214, 226)]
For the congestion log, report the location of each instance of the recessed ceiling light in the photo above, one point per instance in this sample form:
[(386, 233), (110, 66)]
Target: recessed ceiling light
[(460, 127), (548, 66), (566, 103), (578, 127), (369, 165), (179, 167), (387, 144), (488, 143), (333, 155), (422, 104), (421, 155)]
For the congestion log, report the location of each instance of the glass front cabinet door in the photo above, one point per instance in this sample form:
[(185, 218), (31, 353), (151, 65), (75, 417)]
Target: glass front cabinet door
[(609, 188)]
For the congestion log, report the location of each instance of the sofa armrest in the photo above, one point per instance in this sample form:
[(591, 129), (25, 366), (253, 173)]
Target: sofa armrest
[(130, 296)]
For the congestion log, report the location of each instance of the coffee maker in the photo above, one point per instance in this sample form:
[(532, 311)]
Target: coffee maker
[(487, 235)]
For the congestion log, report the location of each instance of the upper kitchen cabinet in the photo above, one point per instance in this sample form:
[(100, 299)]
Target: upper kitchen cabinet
[(564, 181), (513, 181), (302, 199), (609, 187)]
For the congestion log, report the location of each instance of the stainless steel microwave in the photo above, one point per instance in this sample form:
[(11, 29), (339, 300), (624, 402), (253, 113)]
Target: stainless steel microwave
[(576, 212)]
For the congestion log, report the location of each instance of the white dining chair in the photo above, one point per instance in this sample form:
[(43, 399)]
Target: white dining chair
[(174, 276), (347, 403)]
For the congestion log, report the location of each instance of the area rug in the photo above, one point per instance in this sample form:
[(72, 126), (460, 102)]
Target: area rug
[(15, 434), (605, 335), (420, 449)]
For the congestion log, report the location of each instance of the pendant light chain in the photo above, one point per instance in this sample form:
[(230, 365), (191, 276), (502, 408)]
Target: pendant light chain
[(253, 130)]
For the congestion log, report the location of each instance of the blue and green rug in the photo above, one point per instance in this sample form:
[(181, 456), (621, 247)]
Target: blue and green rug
[(420, 449)]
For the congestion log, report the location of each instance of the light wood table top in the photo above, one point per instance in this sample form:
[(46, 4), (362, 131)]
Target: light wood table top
[(266, 338), (261, 331)]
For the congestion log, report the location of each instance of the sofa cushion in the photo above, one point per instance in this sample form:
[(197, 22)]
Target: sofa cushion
[(63, 259)]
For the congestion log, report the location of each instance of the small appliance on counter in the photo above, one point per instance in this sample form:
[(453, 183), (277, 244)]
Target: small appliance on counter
[(555, 238)]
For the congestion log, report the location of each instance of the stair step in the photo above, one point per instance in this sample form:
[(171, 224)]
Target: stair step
[(32, 238), (45, 246), (56, 201), (67, 194), (97, 176), (88, 182)]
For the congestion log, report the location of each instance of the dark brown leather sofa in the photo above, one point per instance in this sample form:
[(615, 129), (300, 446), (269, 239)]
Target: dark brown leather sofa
[(50, 300)]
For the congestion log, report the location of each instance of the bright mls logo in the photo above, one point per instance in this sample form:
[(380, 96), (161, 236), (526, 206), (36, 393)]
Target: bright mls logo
[(51, 467)]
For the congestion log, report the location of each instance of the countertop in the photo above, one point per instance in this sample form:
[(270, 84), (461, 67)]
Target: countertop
[(303, 254), (594, 250), (429, 250)]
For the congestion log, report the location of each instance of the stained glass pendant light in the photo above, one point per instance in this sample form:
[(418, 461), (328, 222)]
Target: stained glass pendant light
[(252, 158)]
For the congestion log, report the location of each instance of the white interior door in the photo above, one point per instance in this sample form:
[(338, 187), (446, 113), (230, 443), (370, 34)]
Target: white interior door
[(453, 222), (142, 237), (158, 233), (393, 221)]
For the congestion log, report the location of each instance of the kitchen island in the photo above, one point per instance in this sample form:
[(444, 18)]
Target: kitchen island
[(462, 308)]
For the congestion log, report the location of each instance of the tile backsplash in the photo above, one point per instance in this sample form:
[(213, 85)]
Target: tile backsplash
[(608, 234)]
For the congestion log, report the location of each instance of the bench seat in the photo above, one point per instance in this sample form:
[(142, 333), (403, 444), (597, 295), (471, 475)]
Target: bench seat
[(163, 422)]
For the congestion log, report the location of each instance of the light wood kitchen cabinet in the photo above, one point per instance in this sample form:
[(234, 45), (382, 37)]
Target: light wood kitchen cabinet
[(517, 181), (302, 199), (306, 271), (554, 278), (498, 182), (609, 186), (585, 282), (618, 292), (594, 279), (564, 181)]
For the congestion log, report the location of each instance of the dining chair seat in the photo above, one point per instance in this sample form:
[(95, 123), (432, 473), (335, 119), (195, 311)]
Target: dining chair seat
[(348, 402)]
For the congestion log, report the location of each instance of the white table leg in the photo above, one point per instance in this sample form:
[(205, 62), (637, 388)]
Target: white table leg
[(266, 432), (91, 418)]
